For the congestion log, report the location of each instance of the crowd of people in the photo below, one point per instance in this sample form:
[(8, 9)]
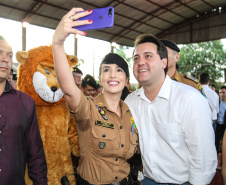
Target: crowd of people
[(173, 121)]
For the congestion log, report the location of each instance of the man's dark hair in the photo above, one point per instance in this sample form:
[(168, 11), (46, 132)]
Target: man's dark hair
[(149, 38), (223, 87), (88, 80), (204, 78), (213, 85)]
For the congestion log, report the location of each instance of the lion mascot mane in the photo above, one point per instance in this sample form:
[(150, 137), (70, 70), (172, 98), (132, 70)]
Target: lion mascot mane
[(37, 78)]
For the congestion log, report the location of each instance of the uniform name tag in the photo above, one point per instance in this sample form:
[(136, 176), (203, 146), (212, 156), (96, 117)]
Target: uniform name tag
[(105, 124)]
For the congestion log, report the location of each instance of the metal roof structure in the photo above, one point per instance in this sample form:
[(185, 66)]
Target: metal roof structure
[(182, 21)]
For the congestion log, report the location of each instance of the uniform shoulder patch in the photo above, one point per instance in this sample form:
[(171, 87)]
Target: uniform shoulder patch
[(192, 78), (202, 91)]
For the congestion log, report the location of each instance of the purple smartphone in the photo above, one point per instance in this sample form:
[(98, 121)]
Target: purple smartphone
[(102, 18)]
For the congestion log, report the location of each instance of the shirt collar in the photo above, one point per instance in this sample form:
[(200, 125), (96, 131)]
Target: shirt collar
[(8, 87), (176, 76), (205, 86), (100, 102), (164, 91)]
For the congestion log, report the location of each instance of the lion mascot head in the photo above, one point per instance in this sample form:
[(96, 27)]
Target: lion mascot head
[(37, 64)]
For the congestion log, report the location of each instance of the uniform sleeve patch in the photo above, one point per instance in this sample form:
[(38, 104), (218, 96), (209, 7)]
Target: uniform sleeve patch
[(105, 124), (192, 78), (202, 91)]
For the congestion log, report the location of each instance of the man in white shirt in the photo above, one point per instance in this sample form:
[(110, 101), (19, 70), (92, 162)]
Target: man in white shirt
[(212, 97), (220, 121), (173, 119)]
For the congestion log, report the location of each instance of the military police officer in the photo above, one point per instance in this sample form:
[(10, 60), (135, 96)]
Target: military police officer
[(173, 57), (89, 86), (77, 75)]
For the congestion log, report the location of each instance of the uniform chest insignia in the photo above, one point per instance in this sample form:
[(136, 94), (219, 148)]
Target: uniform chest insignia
[(100, 103), (102, 145), (87, 97), (102, 112), (105, 124), (202, 91), (134, 127), (191, 78)]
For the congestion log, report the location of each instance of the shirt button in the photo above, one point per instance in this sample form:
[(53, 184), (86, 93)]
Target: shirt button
[(0, 170), (116, 177), (116, 159), (121, 127), (122, 145), (103, 135), (0, 131), (136, 141)]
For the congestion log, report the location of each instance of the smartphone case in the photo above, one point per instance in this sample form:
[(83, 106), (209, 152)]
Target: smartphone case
[(101, 19)]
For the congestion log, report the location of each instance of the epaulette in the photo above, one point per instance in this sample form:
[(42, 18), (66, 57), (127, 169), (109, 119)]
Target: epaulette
[(191, 78)]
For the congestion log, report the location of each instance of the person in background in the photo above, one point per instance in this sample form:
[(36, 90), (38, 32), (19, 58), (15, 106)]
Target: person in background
[(223, 96), (77, 75), (10, 79), (107, 133), (213, 87), (173, 58), (176, 137), (220, 121), (20, 140), (99, 89), (89, 86), (212, 97)]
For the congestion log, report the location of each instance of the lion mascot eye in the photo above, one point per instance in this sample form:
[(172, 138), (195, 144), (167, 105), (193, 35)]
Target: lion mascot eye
[(47, 71)]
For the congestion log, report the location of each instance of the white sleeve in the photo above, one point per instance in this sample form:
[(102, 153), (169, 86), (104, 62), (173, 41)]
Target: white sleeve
[(199, 137)]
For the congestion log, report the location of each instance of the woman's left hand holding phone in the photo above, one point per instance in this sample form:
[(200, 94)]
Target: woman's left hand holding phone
[(62, 69), (65, 27)]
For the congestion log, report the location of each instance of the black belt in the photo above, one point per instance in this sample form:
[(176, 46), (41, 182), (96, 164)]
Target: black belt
[(125, 181)]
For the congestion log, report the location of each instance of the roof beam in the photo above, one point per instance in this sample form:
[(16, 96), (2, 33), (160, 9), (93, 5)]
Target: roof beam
[(190, 21), (185, 4)]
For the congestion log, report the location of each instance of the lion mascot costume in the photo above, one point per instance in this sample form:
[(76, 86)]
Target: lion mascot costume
[(37, 78)]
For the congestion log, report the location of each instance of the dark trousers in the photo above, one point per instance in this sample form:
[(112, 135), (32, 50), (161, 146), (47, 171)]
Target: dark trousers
[(147, 181), (219, 135)]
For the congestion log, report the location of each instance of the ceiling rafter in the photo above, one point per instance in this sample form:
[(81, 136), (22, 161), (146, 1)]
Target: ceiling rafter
[(167, 9), (185, 4), (130, 18), (27, 11), (182, 13), (147, 14), (190, 21), (134, 26), (34, 9), (207, 4)]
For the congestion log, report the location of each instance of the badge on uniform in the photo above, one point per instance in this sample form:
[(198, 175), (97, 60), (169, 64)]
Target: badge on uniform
[(102, 112), (202, 91), (134, 127), (102, 145), (105, 124), (192, 78)]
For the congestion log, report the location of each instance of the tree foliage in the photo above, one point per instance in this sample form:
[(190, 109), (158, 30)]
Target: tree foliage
[(203, 57), (121, 51)]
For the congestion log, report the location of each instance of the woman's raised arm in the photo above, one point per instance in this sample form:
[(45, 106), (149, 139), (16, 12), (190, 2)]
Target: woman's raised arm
[(62, 69)]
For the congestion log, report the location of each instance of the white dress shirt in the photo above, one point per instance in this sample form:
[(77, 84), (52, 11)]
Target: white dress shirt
[(213, 100), (175, 134), (221, 113)]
